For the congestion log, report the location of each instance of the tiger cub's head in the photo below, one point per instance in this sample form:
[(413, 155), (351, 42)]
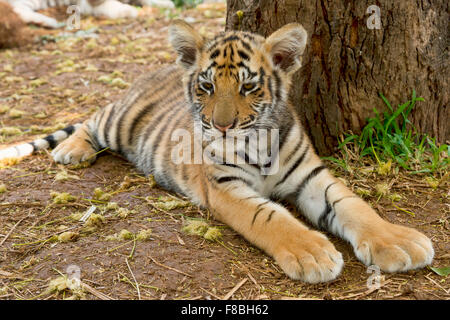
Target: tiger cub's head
[(238, 80)]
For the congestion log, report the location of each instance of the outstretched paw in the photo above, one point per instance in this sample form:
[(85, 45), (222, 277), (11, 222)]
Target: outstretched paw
[(394, 248), (73, 151), (309, 256)]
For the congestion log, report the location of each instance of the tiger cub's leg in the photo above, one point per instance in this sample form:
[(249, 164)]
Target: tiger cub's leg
[(328, 203), (302, 253), (80, 146)]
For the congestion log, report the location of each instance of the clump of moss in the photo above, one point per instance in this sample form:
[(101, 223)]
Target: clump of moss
[(363, 192), (81, 165), (8, 162), (151, 181), (101, 195), (63, 175), (195, 227), (112, 206), (432, 182), (68, 236), (10, 131), (4, 108), (382, 189), (126, 235), (15, 114), (168, 203), (2, 188), (395, 197), (95, 220), (62, 197), (123, 212), (144, 235), (213, 234), (64, 284), (122, 235), (384, 168), (202, 229), (120, 83)]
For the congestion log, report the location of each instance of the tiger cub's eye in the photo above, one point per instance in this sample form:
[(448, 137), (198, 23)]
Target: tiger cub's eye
[(248, 86), (207, 85)]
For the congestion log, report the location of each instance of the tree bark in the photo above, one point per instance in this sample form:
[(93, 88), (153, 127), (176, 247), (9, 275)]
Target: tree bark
[(346, 64)]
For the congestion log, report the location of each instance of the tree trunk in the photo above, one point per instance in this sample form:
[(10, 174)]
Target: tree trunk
[(347, 64)]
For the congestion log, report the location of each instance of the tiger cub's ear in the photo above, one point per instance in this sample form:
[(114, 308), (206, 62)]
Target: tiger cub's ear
[(186, 42), (286, 46)]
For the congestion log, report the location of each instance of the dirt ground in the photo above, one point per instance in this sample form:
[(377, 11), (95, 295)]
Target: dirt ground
[(64, 79)]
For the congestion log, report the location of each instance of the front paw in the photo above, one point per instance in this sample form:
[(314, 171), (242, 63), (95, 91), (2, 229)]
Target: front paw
[(74, 151), (309, 256), (394, 248)]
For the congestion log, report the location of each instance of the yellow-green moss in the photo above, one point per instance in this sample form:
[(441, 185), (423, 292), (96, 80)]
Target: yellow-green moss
[(144, 235), (62, 197)]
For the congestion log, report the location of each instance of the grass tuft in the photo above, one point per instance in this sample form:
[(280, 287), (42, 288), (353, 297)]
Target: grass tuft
[(390, 138)]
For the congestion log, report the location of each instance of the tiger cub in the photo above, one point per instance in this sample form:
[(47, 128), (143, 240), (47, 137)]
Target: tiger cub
[(230, 87), (112, 9)]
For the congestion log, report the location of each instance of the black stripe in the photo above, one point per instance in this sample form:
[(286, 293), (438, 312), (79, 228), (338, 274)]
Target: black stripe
[(243, 55), (230, 38), (261, 204), (294, 166), (231, 53), (284, 131), (107, 128), (299, 144), (139, 118), (247, 161), (339, 200), (261, 77), (51, 141), (270, 216), (247, 46), (328, 208), (190, 86), (305, 181), (249, 36), (231, 178), (156, 143), (234, 166), (270, 87), (69, 130), (256, 214), (277, 85), (215, 54)]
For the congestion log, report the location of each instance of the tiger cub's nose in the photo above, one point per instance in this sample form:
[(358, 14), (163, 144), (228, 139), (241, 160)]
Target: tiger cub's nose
[(223, 128)]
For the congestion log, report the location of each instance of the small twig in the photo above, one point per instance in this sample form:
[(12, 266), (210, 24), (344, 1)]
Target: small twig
[(134, 247), (404, 210), (170, 268), (211, 294), (236, 287), (365, 293), (134, 278), (95, 292), (10, 231), (155, 207), (446, 291), (31, 204)]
